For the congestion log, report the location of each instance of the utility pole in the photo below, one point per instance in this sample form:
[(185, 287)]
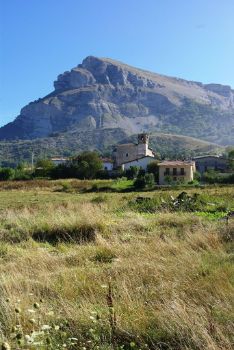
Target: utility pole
[(32, 161)]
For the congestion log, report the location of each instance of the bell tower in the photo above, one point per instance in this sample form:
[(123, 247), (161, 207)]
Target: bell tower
[(143, 145), (143, 139)]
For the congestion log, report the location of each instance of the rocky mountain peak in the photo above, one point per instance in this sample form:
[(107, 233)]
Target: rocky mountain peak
[(101, 93), (105, 71)]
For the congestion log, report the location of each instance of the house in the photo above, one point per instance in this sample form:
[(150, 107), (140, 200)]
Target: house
[(125, 153), (177, 170), (204, 163), (59, 160), (107, 164), (140, 162)]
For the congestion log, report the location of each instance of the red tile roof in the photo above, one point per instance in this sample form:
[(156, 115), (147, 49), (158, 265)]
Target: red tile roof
[(176, 163)]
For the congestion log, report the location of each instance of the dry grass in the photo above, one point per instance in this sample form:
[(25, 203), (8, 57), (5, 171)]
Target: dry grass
[(171, 273)]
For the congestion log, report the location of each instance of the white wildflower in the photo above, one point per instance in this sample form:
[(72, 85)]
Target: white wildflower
[(45, 327)]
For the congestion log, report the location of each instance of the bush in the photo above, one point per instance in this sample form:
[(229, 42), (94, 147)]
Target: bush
[(153, 169), (6, 174), (21, 174), (213, 177), (144, 181), (139, 183), (103, 175), (197, 176), (132, 172), (43, 168), (149, 180)]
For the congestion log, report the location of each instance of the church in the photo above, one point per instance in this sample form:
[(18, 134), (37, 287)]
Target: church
[(131, 154)]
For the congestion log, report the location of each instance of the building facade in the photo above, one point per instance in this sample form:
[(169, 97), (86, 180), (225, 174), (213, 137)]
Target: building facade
[(141, 163), (126, 153), (59, 160), (205, 163), (107, 164), (176, 171)]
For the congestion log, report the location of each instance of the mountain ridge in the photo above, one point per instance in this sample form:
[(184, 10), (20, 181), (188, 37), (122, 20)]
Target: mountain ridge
[(102, 93)]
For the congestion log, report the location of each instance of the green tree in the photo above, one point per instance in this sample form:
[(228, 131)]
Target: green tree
[(153, 169), (43, 167), (231, 159), (44, 163), (87, 164)]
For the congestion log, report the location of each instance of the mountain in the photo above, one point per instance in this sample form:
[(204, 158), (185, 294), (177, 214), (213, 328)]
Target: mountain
[(103, 101)]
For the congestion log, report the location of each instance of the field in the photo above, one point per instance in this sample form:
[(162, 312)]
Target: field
[(83, 267)]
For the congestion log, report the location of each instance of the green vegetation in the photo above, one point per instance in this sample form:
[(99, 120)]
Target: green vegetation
[(212, 177), (137, 270), (6, 174), (67, 144)]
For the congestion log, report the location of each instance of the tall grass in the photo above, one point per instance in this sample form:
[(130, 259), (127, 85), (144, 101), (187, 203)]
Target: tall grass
[(171, 274)]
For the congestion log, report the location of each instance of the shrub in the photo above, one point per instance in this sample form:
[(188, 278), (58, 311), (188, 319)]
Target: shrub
[(139, 183), (144, 181), (213, 177), (153, 169), (132, 172), (103, 174), (6, 174), (43, 168), (149, 180), (66, 187)]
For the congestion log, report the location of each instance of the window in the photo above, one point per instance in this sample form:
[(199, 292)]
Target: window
[(167, 172), (126, 154), (181, 171), (174, 171)]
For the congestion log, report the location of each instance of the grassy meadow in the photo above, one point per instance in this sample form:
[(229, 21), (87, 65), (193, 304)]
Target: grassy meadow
[(93, 265)]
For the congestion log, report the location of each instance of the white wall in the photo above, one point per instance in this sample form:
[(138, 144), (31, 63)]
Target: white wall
[(107, 165), (143, 162)]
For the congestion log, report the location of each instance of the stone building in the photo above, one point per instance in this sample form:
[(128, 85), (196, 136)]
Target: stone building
[(129, 152), (176, 171), (209, 162)]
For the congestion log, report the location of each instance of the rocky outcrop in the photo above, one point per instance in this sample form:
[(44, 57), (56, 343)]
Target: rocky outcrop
[(103, 93), (76, 78), (223, 90)]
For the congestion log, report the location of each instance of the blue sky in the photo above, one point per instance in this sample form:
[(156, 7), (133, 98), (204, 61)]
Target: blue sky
[(39, 39)]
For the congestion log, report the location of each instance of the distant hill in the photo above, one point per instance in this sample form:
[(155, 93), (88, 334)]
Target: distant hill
[(103, 101), (73, 142)]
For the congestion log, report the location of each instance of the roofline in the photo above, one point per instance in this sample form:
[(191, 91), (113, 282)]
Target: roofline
[(210, 155), (168, 162), (135, 160), (125, 144)]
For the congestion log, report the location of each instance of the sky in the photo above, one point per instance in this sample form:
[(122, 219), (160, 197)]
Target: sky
[(40, 39)]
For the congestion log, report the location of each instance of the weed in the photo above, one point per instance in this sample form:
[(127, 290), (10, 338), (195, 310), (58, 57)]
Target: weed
[(104, 255)]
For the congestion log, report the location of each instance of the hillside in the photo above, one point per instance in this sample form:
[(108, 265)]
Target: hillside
[(102, 95), (75, 141)]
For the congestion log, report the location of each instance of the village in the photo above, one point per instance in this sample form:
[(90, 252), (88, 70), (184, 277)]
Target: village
[(140, 155)]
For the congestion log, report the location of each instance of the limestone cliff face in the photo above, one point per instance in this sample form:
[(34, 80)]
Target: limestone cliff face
[(103, 93)]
